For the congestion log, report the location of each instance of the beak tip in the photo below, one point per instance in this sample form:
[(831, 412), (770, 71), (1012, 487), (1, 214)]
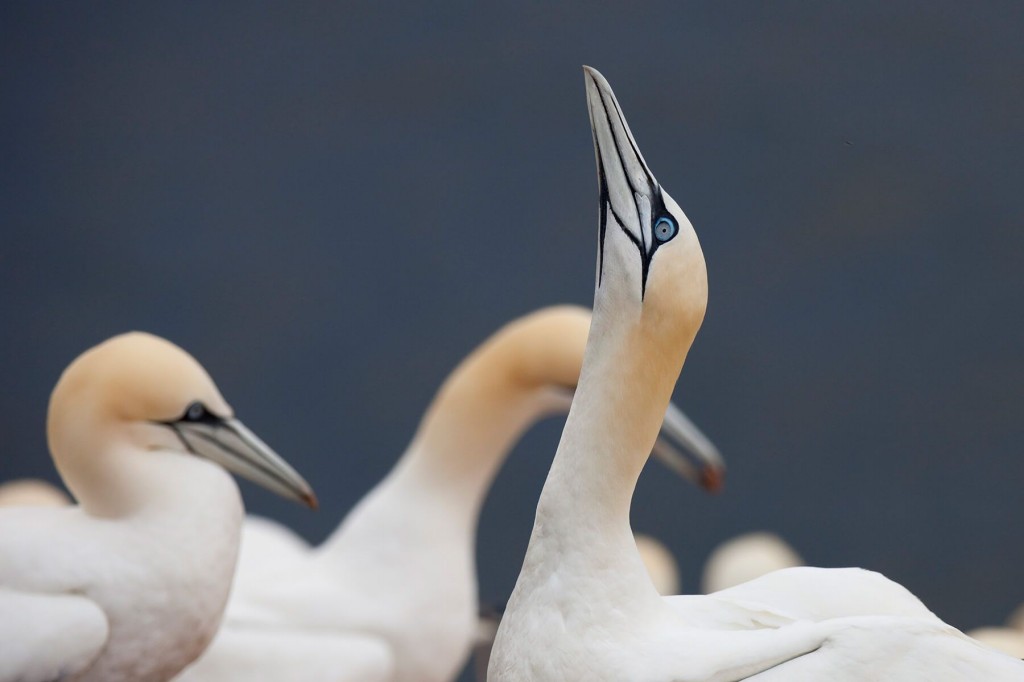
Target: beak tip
[(309, 499), (594, 78), (712, 479)]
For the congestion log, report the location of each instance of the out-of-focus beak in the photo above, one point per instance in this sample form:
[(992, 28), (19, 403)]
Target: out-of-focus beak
[(229, 443), (705, 466)]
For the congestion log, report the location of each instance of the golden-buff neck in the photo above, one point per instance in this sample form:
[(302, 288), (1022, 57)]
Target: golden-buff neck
[(523, 372)]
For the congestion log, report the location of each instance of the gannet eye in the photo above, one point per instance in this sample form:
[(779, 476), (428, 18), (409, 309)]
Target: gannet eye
[(665, 229), (196, 412)]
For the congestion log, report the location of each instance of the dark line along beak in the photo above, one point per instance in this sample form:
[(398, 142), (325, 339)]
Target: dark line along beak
[(708, 468), (630, 196), (229, 443)]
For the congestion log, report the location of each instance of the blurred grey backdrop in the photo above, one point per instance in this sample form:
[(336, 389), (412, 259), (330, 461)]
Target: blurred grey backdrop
[(330, 204)]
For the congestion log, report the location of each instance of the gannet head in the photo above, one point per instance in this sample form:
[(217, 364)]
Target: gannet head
[(143, 392), (650, 264)]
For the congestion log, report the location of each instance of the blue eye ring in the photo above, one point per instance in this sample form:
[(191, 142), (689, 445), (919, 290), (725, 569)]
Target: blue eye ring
[(664, 229)]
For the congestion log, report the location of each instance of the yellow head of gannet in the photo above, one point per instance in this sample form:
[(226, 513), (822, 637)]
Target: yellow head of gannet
[(138, 393), (131, 584)]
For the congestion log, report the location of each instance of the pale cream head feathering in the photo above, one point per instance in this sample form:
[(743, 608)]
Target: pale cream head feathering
[(137, 391)]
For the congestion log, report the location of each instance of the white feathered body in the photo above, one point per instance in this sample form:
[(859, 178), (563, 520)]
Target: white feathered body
[(130, 600), (397, 580)]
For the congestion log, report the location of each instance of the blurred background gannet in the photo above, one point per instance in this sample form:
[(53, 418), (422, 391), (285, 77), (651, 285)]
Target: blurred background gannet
[(1010, 641), (1008, 638), (32, 492), (660, 564), (583, 608), (130, 584), (746, 557), (399, 572)]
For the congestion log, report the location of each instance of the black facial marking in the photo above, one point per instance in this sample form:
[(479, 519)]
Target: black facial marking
[(653, 192), (181, 437), (602, 214), (195, 413)]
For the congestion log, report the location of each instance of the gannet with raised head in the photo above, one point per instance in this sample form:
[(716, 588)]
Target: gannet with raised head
[(130, 585), (583, 607), (398, 575)]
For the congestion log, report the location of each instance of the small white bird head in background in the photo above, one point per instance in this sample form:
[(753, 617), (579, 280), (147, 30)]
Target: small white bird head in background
[(660, 564), (746, 557)]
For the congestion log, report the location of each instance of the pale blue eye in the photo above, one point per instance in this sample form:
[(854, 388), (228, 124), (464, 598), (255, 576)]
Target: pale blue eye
[(665, 229)]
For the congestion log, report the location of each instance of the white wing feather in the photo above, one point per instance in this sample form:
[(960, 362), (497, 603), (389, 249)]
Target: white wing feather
[(804, 593), (47, 637)]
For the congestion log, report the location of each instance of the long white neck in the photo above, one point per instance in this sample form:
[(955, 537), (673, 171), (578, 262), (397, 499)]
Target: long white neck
[(582, 523)]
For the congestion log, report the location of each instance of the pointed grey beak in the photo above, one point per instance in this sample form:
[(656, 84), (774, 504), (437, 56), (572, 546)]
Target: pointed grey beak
[(229, 443), (625, 173), (631, 199)]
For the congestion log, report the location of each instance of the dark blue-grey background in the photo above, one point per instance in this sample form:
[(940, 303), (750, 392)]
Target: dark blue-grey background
[(329, 205)]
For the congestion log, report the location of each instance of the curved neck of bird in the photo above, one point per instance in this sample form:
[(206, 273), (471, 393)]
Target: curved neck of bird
[(477, 416), (629, 372), (439, 483)]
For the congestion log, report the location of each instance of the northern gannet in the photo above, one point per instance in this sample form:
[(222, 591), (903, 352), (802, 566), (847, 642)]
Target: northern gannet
[(130, 584), (746, 557), (398, 575), (31, 492), (583, 607)]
